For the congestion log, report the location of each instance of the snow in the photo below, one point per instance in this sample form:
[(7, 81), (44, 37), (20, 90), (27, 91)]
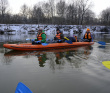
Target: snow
[(23, 31)]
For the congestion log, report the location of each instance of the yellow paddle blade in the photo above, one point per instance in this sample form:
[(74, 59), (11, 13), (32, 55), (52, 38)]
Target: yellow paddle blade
[(66, 38), (106, 64)]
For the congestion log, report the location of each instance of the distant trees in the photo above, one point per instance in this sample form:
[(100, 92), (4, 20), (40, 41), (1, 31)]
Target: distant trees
[(52, 10), (89, 17), (78, 12), (105, 16), (71, 14), (3, 8), (83, 7), (24, 13), (61, 11), (46, 11)]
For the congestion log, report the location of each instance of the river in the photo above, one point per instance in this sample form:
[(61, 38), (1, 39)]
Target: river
[(75, 70)]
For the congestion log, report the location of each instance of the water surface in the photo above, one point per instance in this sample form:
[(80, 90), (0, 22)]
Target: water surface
[(75, 70)]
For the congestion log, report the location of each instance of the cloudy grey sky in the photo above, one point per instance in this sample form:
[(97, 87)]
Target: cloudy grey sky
[(99, 5)]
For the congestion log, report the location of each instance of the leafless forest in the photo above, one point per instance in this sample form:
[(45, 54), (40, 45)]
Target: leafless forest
[(77, 12)]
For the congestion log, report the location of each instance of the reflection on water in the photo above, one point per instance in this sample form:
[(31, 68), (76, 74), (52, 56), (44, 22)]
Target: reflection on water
[(74, 56)]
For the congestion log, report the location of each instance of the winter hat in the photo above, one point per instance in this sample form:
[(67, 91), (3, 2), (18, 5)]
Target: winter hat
[(57, 29), (88, 29)]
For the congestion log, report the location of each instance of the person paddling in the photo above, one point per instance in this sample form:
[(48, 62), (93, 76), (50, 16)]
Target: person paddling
[(87, 37), (41, 37), (59, 36)]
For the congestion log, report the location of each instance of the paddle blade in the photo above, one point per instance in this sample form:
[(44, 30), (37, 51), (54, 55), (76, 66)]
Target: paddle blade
[(101, 46), (21, 88), (68, 41), (106, 64), (44, 44), (28, 39), (101, 42)]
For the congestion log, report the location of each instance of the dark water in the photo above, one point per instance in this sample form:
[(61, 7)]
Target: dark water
[(76, 70)]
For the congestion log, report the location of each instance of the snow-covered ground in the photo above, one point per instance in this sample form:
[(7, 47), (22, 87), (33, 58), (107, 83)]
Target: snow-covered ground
[(24, 28), (23, 31)]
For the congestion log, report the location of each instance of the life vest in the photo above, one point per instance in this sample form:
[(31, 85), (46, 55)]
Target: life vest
[(39, 36), (87, 35), (58, 35)]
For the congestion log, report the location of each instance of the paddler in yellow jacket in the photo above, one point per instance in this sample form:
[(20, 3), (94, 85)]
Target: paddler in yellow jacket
[(87, 37)]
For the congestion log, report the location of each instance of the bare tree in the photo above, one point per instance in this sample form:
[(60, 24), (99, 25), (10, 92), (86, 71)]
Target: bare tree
[(105, 16), (52, 9), (89, 17), (3, 8), (49, 10), (61, 8), (83, 6), (24, 12), (71, 13), (16, 19), (46, 11), (37, 14)]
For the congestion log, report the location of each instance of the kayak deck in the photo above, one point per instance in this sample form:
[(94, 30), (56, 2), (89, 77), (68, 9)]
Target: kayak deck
[(29, 46)]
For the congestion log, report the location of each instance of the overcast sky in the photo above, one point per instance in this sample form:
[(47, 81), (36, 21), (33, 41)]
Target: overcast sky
[(99, 5)]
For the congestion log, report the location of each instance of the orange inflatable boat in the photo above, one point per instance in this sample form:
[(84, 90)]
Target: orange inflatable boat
[(29, 46)]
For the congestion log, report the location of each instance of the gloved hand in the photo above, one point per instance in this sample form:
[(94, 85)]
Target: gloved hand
[(59, 40), (33, 40), (38, 42), (47, 39)]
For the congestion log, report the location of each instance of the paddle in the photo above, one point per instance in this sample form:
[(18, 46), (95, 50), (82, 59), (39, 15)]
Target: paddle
[(68, 41), (106, 64), (28, 39), (21, 88), (101, 42)]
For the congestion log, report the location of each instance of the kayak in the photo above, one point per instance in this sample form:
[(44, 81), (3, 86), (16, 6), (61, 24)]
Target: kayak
[(30, 46), (24, 53)]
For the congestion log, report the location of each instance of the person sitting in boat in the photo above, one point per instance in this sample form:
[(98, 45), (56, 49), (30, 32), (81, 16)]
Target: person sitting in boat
[(87, 37), (73, 39), (41, 37), (76, 38), (59, 36)]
